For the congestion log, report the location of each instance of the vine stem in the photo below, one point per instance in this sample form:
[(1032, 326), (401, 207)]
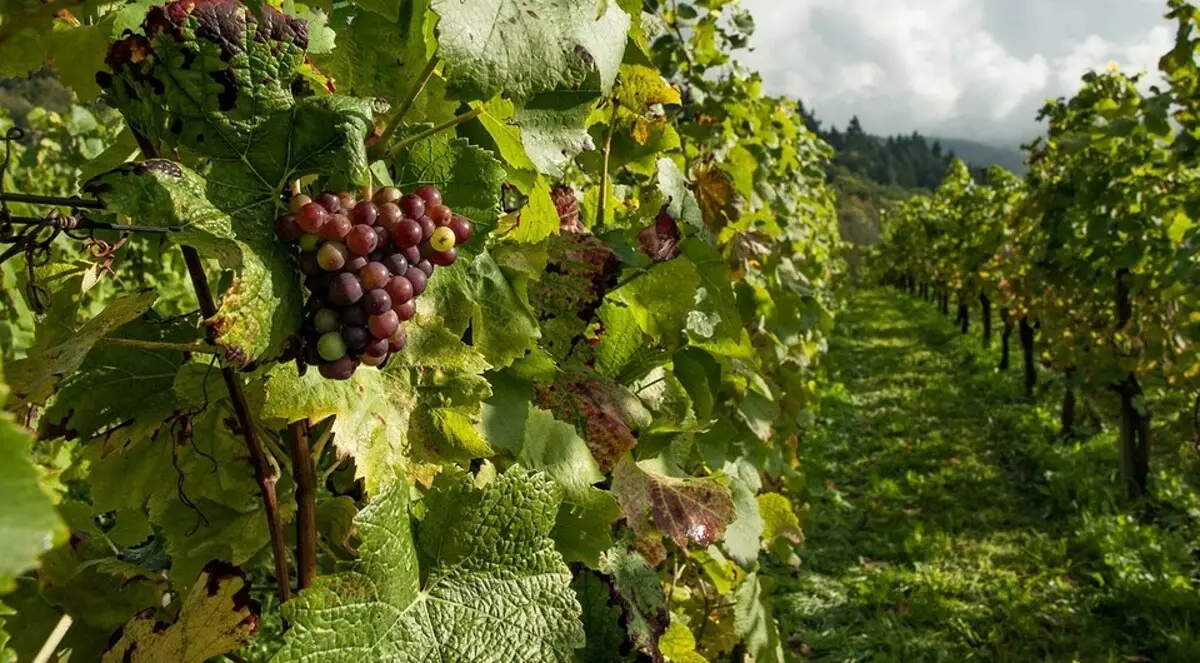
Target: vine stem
[(608, 138), (56, 636), (306, 504), (263, 475), (393, 122), (194, 348), (448, 124)]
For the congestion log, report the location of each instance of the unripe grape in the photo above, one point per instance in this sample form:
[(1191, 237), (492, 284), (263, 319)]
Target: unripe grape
[(345, 290), (384, 325), (331, 347), (332, 256), (364, 214), (440, 214), (354, 315), (412, 206), (444, 258), (406, 311), (396, 263), (311, 217), (389, 215), (407, 233), (388, 194), (462, 229), (287, 229), (400, 289), (442, 239), (346, 200), (398, 340), (356, 337), (326, 320), (297, 201), (342, 369), (374, 275), (377, 302), (430, 194), (308, 263), (336, 227), (362, 240), (329, 201), (355, 264), (310, 242)]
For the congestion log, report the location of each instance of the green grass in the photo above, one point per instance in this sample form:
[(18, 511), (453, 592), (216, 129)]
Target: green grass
[(951, 522)]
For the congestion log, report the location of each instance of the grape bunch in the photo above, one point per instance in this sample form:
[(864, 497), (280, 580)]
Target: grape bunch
[(364, 263)]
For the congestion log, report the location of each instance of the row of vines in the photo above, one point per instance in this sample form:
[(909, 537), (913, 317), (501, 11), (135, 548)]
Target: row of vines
[(1092, 257), (576, 444)]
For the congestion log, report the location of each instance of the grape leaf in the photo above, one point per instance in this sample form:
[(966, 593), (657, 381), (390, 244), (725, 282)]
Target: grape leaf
[(374, 407), (537, 220), (34, 378), (601, 620), (641, 594), (743, 534), (579, 271), (475, 293), (754, 620), (217, 617), (693, 511), (29, 524), (554, 129), (660, 299), (543, 45), (678, 644), (481, 582), (602, 411), (469, 177), (779, 519), (262, 306)]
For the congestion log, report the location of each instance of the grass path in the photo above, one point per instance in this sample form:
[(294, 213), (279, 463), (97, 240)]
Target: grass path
[(949, 522)]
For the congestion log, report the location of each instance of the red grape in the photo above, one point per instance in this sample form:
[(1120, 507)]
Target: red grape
[(374, 275), (384, 325), (308, 263), (375, 360), (388, 216), (427, 228), (418, 278), (426, 267), (406, 311), (336, 227), (377, 302), (345, 290), (400, 289), (407, 233), (355, 264), (354, 315), (396, 263), (440, 214), (332, 256), (362, 240), (311, 217), (461, 228), (297, 201), (376, 347), (329, 201), (342, 369), (388, 194), (384, 235), (412, 206), (364, 213), (398, 340), (287, 229), (444, 258), (413, 254), (430, 194), (355, 337)]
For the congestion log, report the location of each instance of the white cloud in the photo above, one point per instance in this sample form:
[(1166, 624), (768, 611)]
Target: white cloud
[(975, 69)]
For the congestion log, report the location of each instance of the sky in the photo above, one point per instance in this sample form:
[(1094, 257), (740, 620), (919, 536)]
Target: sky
[(975, 69)]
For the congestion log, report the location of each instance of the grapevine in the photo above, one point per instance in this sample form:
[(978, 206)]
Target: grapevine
[(517, 307)]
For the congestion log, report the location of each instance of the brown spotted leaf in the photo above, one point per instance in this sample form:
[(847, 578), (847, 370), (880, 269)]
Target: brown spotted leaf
[(689, 511), (602, 411), (579, 271), (217, 617)]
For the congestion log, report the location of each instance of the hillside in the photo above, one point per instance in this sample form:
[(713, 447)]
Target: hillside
[(981, 155)]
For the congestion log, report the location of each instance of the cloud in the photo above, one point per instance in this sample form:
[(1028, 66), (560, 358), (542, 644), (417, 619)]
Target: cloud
[(977, 69)]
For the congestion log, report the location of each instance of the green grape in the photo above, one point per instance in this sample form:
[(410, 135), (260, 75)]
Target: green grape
[(442, 239), (326, 320), (331, 347)]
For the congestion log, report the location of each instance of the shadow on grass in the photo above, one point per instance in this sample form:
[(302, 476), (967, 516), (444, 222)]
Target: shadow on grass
[(950, 523)]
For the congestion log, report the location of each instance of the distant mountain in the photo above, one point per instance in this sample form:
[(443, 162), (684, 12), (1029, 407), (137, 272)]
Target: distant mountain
[(980, 155)]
